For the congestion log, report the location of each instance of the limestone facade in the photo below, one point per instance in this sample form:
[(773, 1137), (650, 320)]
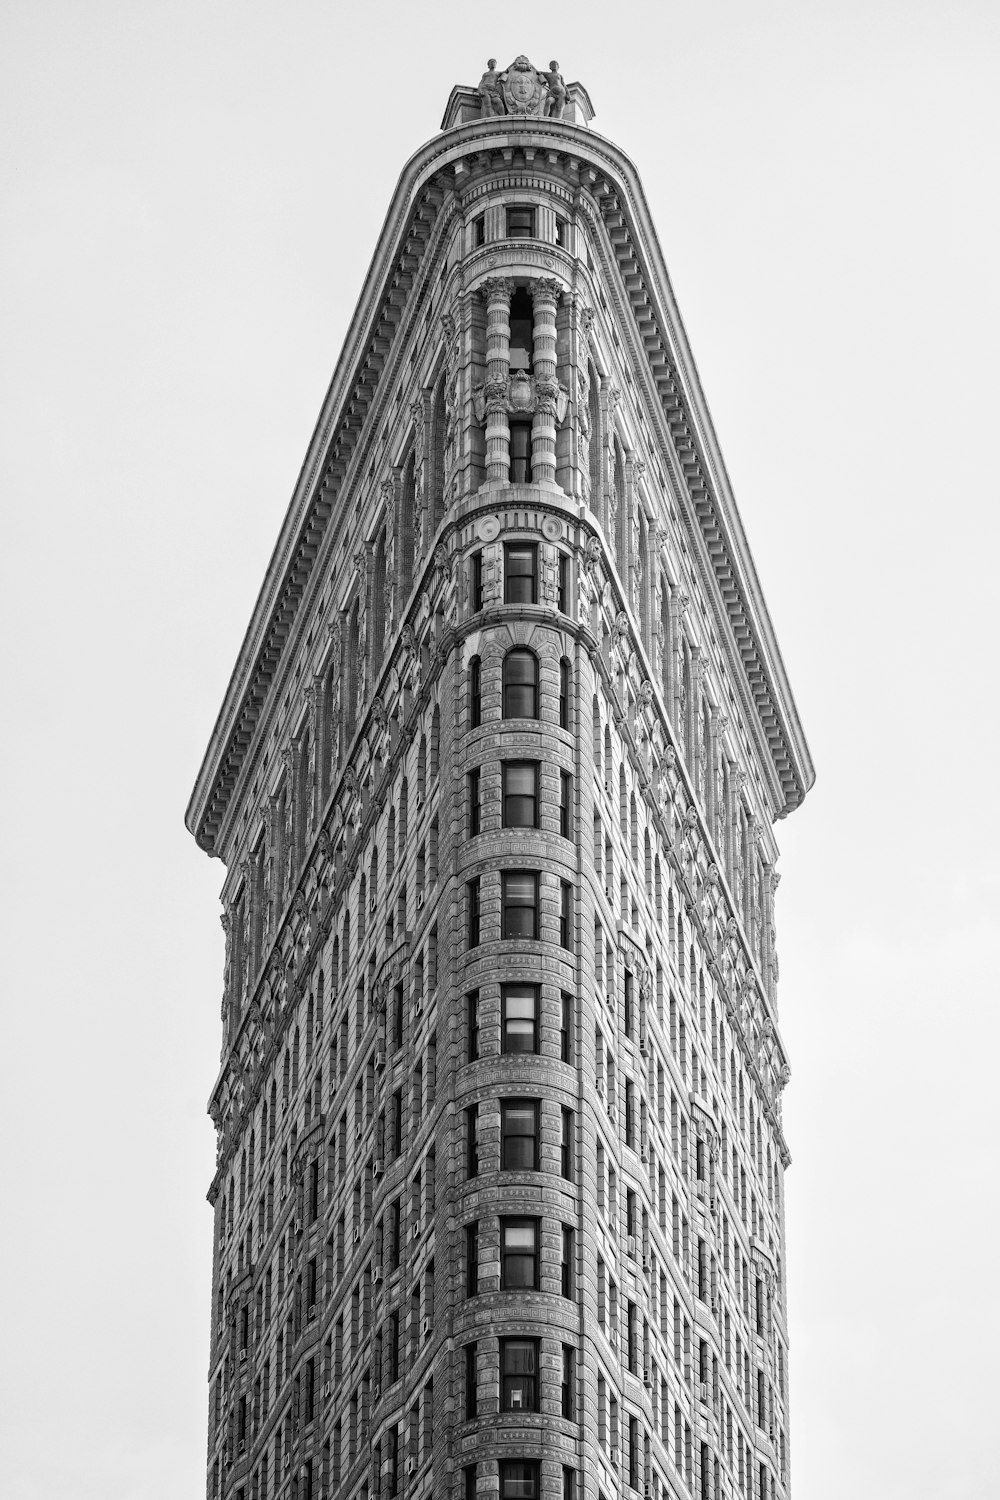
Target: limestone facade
[(500, 1181)]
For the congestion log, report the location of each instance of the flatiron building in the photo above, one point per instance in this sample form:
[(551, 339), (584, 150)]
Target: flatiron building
[(500, 1179)]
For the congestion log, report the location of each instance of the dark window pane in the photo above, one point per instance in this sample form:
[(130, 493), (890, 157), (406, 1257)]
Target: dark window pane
[(520, 1018), (564, 694), (520, 223), (520, 453), (520, 570), (520, 904), (518, 1375), (518, 1263), (519, 1135), (520, 794), (520, 685), (475, 693)]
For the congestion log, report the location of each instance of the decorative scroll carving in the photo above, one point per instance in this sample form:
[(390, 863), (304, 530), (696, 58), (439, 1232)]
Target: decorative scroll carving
[(521, 395)]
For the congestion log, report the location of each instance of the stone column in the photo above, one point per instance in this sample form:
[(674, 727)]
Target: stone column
[(497, 292), (544, 297)]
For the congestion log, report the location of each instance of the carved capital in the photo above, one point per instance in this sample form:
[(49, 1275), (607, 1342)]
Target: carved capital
[(497, 289), (545, 289)]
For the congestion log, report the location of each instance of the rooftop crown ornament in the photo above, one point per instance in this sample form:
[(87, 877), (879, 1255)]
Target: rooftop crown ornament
[(522, 90)]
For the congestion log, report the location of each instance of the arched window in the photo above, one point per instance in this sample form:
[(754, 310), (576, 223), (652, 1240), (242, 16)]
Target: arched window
[(520, 684), (475, 693)]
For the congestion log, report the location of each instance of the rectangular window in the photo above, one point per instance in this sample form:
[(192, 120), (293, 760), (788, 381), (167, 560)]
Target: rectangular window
[(518, 904), (473, 787), (628, 1003), (469, 1481), (520, 222), (520, 794), (472, 1140), (520, 573), (564, 694), (568, 1382), (471, 1259), (562, 597), (565, 804), (568, 1264), (566, 1144), (520, 440), (519, 1375), (472, 894), (519, 1135), (479, 238), (519, 1009), (477, 582), (518, 1254), (565, 914), (471, 1382), (566, 1028), (560, 240), (472, 1004)]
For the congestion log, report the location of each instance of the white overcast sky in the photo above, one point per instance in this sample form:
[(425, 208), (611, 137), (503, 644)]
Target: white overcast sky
[(191, 193)]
